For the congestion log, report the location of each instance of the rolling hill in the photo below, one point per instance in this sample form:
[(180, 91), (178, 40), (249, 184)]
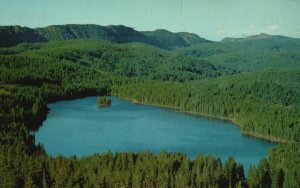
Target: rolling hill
[(254, 53)]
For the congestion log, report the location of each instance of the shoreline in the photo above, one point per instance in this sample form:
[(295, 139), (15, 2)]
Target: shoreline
[(177, 109), (268, 138)]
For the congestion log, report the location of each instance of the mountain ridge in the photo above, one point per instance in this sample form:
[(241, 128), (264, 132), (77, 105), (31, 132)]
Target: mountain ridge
[(13, 35), (160, 38), (260, 36)]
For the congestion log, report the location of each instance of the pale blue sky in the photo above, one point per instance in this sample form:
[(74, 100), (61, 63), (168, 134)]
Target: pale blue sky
[(212, 19)]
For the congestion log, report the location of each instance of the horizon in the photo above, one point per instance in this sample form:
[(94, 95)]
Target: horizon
[(208, 19), (154, 30)]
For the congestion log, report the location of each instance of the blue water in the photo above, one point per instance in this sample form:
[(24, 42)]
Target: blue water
[(79, 127)]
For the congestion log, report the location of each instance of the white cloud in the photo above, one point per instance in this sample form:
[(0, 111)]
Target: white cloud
[(250, 30), (251, 27), (222, 32), (273, 27)]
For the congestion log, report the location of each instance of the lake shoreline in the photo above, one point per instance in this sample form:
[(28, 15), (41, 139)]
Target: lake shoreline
[(132, 126), (245, 133)]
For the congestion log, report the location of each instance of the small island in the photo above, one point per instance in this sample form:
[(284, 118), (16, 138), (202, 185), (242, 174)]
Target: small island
[(104, 101)]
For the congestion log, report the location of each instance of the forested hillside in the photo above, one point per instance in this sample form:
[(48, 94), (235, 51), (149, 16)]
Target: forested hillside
[(255, 53), (244, 99), (131, 60), (12, 35), (260, 93)]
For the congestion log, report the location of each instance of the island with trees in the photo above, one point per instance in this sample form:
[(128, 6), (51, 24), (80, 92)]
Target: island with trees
[(104, 101)]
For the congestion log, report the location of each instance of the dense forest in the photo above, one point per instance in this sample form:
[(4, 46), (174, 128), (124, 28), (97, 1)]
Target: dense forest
[(254, 53), (232, 79)]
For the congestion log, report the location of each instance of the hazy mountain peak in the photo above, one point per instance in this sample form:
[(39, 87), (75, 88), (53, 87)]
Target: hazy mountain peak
[(163, 31), (251, 37), (259, 36)]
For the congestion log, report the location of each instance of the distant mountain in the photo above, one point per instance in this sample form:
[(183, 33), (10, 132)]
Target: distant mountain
[(254, 37), (118, 33), (169, 40), (12, 35)]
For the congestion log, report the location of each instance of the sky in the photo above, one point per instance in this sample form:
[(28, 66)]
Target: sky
[(211, 19)]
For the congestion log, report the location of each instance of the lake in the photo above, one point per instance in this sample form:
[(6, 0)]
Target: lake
[(78, 127)]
